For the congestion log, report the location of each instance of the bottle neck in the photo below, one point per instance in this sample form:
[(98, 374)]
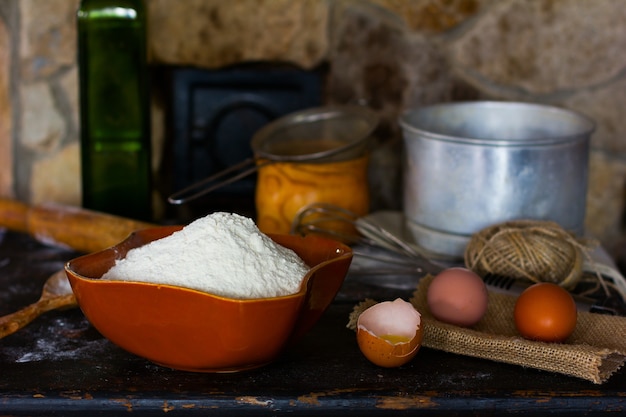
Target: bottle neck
[(111, 9)]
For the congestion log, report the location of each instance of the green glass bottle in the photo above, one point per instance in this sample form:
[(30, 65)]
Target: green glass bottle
[(114, 108)]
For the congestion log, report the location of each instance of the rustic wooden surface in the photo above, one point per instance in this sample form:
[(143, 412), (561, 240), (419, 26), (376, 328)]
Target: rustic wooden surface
[(59, 365)]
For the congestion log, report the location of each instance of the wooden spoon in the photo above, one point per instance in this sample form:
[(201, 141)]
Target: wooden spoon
[(57, 293)]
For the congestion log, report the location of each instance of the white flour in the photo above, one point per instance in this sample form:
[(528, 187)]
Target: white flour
[(223, 254)]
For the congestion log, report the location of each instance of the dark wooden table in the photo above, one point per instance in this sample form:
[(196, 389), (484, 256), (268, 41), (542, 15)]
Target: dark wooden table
[(59, 365)]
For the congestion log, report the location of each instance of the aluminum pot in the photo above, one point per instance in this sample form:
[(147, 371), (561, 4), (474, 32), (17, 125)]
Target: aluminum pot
[(469, 165)]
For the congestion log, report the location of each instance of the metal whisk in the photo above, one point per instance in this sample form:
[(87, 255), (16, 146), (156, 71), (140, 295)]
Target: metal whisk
[(338, 223), (404, 263)]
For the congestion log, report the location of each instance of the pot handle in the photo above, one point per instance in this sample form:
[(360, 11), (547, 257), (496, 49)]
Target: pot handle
[(202, 187)]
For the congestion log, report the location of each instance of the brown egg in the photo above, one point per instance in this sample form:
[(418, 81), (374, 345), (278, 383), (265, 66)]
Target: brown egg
[(390, 333), (457, 296)]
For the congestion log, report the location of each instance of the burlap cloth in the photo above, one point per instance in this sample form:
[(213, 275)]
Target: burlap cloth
[(595, 350)]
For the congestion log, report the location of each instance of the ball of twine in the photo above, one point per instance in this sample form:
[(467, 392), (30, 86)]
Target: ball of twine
[(535, 250)]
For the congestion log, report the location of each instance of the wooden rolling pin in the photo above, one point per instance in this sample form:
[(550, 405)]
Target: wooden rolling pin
[(67, 226)]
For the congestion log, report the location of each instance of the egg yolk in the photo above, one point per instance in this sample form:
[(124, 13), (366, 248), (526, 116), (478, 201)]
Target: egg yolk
[(395, 339)]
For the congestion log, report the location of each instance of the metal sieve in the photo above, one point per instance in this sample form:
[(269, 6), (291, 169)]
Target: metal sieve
[(321, 134)]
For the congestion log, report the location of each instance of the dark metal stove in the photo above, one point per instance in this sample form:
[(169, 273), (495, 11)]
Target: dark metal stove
[(212, 117)]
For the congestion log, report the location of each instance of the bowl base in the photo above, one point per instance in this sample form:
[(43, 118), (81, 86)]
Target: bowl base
[(226, 370)]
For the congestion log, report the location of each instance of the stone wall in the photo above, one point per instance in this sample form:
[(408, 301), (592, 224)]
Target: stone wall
[(390, 54)]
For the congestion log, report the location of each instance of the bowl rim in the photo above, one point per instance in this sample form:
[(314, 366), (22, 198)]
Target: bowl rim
[(68, 267)]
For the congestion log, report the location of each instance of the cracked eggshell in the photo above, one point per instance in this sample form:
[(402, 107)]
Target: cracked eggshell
[(390, 333)]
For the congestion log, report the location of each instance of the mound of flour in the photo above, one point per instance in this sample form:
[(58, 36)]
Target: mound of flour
[(223, 254)]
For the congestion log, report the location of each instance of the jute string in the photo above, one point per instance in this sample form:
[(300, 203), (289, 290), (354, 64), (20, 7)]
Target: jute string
[(595, 350), (528, 249)]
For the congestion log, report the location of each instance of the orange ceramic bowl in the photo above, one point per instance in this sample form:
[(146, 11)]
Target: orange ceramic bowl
[(196, 331)]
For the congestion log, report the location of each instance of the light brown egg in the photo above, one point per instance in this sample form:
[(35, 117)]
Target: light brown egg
[(457, 296), (390, 333)]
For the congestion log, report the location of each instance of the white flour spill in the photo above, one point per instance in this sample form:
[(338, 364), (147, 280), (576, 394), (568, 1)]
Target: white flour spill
[(63, 339), (223, 254)]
